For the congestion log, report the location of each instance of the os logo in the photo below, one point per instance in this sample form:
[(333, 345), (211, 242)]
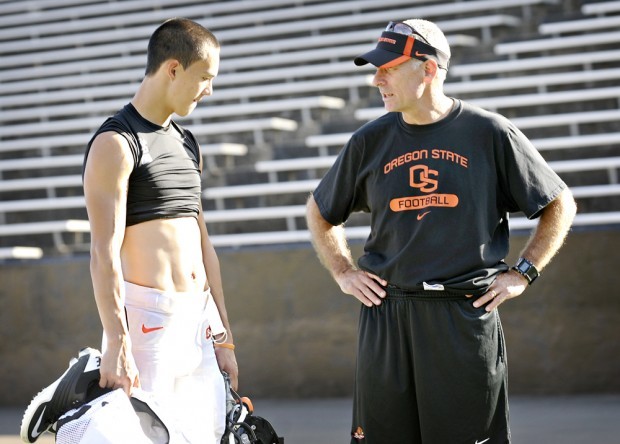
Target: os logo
[(420, 177)]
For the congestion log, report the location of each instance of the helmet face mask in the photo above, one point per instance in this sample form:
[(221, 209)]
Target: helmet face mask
[(242, 426)]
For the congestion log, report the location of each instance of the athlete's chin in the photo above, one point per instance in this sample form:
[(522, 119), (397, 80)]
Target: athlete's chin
[(187, 111)]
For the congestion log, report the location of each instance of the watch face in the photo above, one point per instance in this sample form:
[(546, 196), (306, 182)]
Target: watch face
[(523, 266)]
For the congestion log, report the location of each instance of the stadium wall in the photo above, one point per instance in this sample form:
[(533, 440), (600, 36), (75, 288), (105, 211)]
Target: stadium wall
[(296, 333)]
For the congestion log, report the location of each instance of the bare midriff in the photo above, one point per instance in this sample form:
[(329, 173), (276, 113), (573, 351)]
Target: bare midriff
[(165, 254)]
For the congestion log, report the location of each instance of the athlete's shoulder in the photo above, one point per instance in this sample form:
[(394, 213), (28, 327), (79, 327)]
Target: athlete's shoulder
[(118, 123), (109, 138), (111, 145), (115, 133)]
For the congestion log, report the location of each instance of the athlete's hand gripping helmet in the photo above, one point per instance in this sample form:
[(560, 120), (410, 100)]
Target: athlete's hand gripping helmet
[(242, 426)]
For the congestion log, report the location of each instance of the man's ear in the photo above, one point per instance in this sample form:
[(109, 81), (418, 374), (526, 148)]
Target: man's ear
[(430, 70), (172, 67)]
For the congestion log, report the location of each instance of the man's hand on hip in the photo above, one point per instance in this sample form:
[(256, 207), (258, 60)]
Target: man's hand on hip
[(366, 287)]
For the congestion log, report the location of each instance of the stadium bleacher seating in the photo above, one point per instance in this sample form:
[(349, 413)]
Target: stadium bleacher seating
[(526, 100), (286, 84), (600, 8), (21, 253), (536, 63)]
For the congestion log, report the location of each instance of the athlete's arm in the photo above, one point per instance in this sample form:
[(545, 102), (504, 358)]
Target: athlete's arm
[(106, 175), (546, 239), (226, 358), (333, 250)]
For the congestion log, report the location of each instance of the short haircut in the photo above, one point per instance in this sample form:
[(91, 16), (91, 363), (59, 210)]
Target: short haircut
[(180, 39)]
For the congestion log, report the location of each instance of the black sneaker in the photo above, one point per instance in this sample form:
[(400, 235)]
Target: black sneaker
[(66, 393)]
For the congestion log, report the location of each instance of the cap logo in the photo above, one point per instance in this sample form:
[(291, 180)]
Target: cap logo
[(386, 40)]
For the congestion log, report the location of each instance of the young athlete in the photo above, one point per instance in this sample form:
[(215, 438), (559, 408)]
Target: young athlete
[(439, 178), (155, 273)]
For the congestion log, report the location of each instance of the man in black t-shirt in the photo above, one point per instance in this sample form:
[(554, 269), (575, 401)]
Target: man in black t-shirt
[(439, 178)]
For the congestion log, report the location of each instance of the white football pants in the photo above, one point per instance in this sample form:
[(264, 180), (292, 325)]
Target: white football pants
[(171, 342)]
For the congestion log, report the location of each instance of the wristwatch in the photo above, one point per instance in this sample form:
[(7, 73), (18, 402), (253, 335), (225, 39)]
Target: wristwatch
[(526, 269)]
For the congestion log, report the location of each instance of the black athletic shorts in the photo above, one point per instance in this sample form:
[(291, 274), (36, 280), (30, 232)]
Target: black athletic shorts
[(431, 369)]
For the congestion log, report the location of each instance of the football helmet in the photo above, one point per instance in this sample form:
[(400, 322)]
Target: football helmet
[(242, 426)]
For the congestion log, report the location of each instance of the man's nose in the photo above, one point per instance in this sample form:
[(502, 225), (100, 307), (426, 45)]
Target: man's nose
[(378, 78)]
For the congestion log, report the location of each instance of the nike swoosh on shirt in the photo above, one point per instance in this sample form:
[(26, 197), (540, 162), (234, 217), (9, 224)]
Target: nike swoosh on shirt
[(146, 329), (419, 54), (481, 442), (420, 216)]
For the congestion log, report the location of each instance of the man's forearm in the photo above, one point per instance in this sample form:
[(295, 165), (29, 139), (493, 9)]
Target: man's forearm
[(551, 231), (212, 268), (329, 242), (107, 287), (214, 276)]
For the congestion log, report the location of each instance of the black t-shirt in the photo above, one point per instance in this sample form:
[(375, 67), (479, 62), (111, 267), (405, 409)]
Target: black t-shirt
[(165, 182), (439, 195)]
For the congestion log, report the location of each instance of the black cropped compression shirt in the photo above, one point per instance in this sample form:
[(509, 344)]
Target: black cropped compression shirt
[(165, 181)]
